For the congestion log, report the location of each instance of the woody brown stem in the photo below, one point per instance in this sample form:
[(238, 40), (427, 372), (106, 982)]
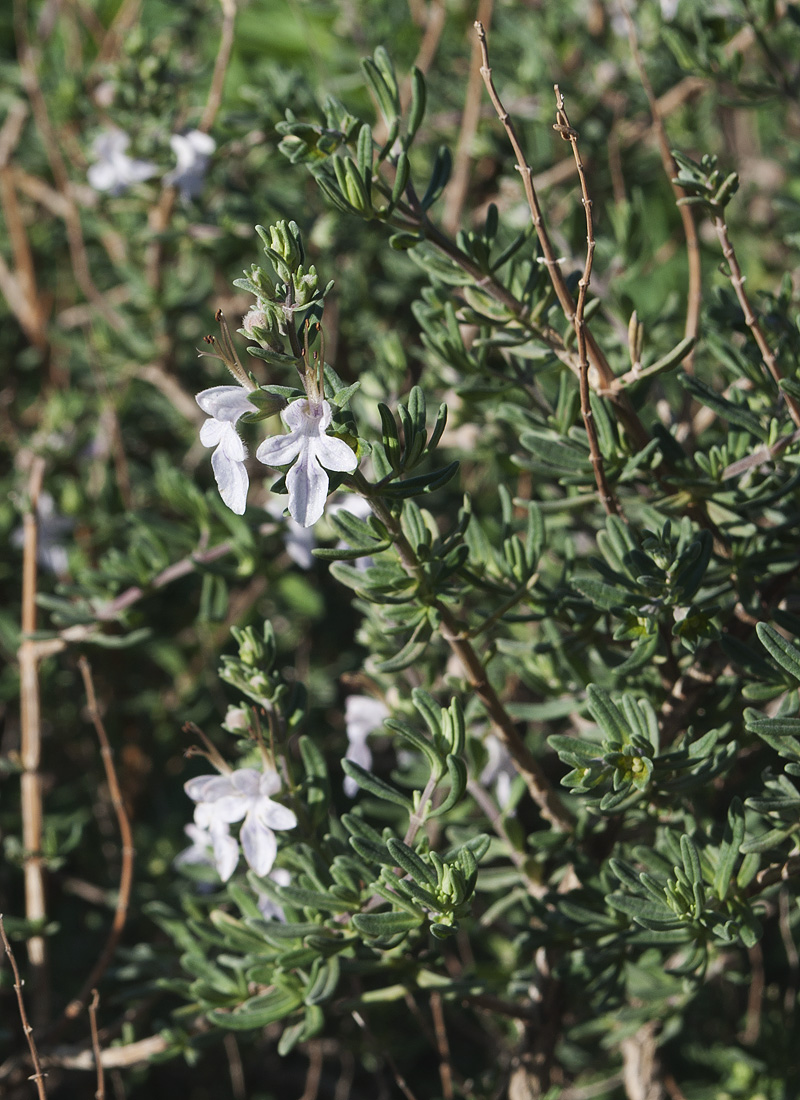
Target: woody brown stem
[(607, 498)]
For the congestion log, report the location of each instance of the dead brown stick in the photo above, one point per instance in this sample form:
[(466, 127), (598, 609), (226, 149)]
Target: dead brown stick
[(100, 1092), (127, 853), (31, 746), (77, 249), (443, 1046), (31, 314), (38, 1076), (737, 282), (604, 376), (695, 290), (607, 498), (456, 192)]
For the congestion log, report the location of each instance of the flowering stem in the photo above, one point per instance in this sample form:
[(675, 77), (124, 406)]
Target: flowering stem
[(457, 638)]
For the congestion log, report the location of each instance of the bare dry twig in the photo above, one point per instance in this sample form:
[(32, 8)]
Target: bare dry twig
[(737, 282), (38, 1076), (607, 498), (126, 873), (604, 376), (695, 291), (100, 1092), (31, 746)]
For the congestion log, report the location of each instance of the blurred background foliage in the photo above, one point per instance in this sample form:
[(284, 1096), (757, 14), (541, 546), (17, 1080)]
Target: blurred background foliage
[(106, 299)]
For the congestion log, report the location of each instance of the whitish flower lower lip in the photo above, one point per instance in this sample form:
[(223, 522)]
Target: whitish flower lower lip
[(315, 453), (224, 799), (225, 405)]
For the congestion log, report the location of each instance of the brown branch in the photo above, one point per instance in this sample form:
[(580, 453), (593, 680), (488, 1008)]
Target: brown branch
[(456, 192), (737, 282), (31, 746), (98, 1056), (604, 375), (443, 1047), (38, 1076), (77, 248), (607, 498), (455, 634), (30, 316), (220, 65), (126, 836), (695, 292)]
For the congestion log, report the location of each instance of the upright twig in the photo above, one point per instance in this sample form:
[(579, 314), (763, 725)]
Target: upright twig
[(28, 64), (695, 291), (456, 636), (31, 746), (443, 1046), (605, 375), (456, 191), (562, 126), (100, 1092), (126, 836), (737, 282), (38, 1076)]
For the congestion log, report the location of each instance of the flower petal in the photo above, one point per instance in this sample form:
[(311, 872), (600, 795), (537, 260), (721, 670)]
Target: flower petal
[(259, 845), (232, 481), (280, 450), (226, 854), (307, 483), (334, 454), (102, 176), (225, 402), (206, 788), (211, 431), (275, 816)]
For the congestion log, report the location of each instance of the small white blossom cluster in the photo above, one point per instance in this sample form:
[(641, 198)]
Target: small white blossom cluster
[(315, 452), (114, 171), (362, 716), (221, 800)]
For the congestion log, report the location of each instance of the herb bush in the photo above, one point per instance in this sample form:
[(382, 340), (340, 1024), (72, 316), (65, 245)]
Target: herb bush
[(478, 593)]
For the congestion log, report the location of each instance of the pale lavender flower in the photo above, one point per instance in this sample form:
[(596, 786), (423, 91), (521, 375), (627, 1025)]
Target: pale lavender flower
[(299, 541), (225, 405), (362, 716), (499, 770), (223, 799), (269, 909), (193, 151), (50, 526), (212, 847), (316, 453), (114, 171)]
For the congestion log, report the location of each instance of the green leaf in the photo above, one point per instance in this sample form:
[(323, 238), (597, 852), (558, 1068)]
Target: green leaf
[(379, 925), (375, 786), (729, 849), (406, 858), (608, 717), (259, 1011), (783, 652)]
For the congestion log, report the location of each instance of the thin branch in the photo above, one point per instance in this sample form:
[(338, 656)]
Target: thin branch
[(38, 1076), (31, 746), (695, 291), (382, 1052), (607, 498), (126, 836), (598, 360), (454, 633), (445, 1068), (235, 1067), (737, 282), (220, 65), (456, 191), (100, 1092), (77, 248)]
